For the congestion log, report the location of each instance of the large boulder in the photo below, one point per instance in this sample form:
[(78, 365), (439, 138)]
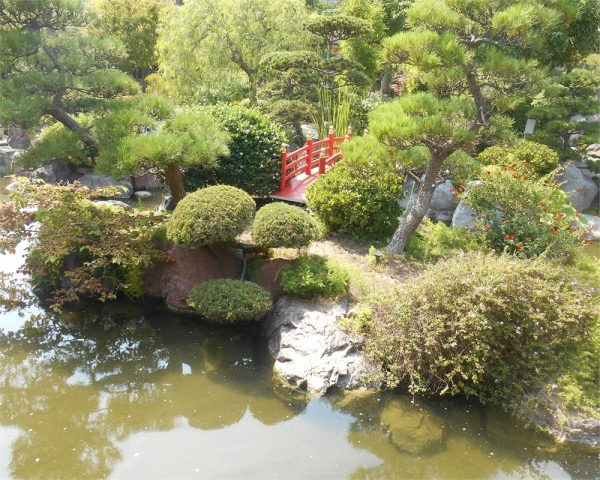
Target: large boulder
[(57, 172), (18, 138), (6, 158), (269, 272), (441, 207), (581, 189), (187, 267), (311, 352), (464, 216), (412, 427), (145, 182), (97, 180)]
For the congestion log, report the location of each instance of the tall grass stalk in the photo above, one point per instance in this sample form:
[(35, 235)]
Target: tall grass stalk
[(333, 109)]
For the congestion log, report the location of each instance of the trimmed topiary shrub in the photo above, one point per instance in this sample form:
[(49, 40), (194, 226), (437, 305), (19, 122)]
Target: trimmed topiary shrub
[(211, 215), (279, 225), (480, 324), (230, 301), (254, 161), (357, 199), (538, 159), (314, 276)]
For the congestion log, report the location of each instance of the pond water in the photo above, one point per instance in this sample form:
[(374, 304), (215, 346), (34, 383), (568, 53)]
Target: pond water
[(126, 391)]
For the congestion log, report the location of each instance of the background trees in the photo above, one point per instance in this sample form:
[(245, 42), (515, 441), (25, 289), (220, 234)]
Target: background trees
[(51, 65), (215, 43)]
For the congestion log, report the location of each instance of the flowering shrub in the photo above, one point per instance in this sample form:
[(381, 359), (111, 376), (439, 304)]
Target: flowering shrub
[(525, 216), (480, 324)]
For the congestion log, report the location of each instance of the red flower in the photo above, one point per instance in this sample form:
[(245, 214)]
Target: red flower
[(451, 189), (529, 239), (487, 227), (571, 162), (520, 246)]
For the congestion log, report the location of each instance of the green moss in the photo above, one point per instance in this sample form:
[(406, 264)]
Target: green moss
[(211, 215)]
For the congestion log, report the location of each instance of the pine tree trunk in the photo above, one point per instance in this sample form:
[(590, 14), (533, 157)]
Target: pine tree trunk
[(386, 81), (413, 219), (175, 180)]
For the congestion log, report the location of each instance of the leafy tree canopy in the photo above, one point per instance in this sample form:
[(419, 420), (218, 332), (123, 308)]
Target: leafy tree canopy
[(51, 64)]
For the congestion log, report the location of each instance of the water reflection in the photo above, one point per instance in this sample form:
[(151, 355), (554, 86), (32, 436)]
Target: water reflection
[(117, 390)]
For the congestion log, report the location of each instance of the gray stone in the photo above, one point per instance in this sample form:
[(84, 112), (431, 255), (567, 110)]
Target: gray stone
[(167, 205), (311, 351), (580, 188), (6, 158), (114, 203), (463, 216), (97, 180), (142, 194), (594, 225), (443, 197), (310, 128), (146, 182), (444, 216), (18, 138), (57, 172), (413, 428)]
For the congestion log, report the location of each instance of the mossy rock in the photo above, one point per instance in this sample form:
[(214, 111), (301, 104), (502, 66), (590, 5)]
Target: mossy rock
[(279, 225), (211, 215), (230, 301)]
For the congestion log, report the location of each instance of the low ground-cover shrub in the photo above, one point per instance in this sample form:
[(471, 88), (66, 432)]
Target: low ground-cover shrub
[(479, 324), (358, 199), (230, 301), (211, 215), (526, 216), (279, 225), (536, 159), (254, 161), (436, 240), (313, 276)]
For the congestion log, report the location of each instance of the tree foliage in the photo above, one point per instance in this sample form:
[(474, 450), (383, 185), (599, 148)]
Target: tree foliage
[(216, 42), (135, 23), (51, 65)]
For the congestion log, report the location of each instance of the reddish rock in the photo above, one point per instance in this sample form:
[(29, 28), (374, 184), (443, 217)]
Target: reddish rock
[(146, 182), (187, 267), (268, 276)]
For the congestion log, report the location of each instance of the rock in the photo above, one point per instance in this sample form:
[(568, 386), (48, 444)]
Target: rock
[(18, 138), (146, 182), (594, 224), (167, 205), (440, 215), (97, 180), (56, 172), (311, 352), (6, 158), (580, 188), (268, 276), (412, 428), (187, 267), (142, 194), (114, 203), (463, 216), (443, 197), (309, 128)]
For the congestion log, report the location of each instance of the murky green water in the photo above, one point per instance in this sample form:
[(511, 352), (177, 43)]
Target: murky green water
[(133, 391)]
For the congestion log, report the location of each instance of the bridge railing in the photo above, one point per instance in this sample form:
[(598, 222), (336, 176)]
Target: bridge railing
[(320, 154)]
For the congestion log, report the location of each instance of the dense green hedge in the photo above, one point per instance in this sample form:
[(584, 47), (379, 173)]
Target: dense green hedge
[(279, 225), (492, 326), (357, 199), (229, 301), (314, 276), (254, 160), (211, 215)]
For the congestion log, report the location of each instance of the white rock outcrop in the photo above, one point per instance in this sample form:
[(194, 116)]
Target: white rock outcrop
[(311, 352)]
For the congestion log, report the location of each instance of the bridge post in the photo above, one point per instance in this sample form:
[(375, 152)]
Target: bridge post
[(330, 143), (309, 153), (322, 159), (349, 132), (283, 165)]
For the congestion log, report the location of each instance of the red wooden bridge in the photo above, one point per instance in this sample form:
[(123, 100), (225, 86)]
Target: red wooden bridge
[(301, 168)]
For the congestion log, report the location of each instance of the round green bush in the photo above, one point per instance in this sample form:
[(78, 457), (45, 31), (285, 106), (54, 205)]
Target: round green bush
[(314, 276), (479, 324), (539, 159), (279, 225), (229, 301), (254, 160), (357, 199), (211, 215)]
